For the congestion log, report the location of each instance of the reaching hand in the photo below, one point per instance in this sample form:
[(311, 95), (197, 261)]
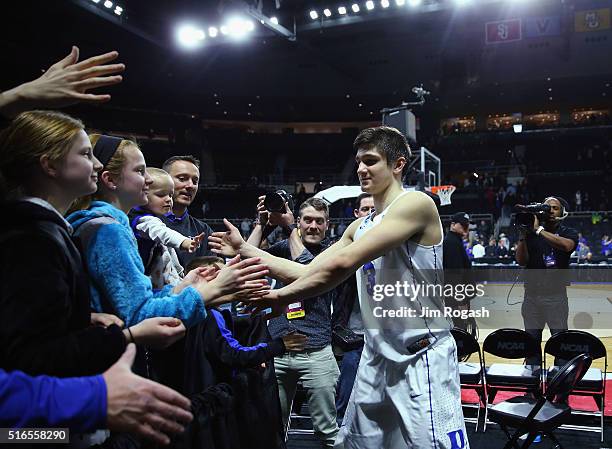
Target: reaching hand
[(232, 277), (194, 277), (105, 319), (158, 332), (226, 243), (295, 342), (269, 301), (138, 405), (252, 290), (66, 82)]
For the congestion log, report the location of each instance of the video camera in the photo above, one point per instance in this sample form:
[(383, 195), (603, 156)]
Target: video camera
[(525, 217)]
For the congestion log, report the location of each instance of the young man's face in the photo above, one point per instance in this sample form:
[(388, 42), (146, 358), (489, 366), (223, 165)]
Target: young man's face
[(313, 225), (375, 174), (186, 177), (366, 206)]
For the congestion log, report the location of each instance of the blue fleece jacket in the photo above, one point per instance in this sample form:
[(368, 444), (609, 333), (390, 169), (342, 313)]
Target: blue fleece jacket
[(117, 273)]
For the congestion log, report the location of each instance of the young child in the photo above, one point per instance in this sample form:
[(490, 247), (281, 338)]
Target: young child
[(157, 244)]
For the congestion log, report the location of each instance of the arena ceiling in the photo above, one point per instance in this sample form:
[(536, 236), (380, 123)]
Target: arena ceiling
[(332, 71)]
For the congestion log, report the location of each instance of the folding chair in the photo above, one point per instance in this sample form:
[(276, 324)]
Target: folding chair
[(471, 375), (534, 416), (566, 345), (511, 344)]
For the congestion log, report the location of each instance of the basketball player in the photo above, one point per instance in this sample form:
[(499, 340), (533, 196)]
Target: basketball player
[(406, 394)]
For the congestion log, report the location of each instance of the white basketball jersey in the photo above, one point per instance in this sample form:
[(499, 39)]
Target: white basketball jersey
[(399, 304)]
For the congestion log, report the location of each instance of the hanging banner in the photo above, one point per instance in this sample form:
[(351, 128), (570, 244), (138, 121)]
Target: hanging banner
[(542, 26), (592, 20), (503, 31)]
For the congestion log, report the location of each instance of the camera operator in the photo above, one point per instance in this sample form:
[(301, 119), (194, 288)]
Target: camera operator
[(545, 244)]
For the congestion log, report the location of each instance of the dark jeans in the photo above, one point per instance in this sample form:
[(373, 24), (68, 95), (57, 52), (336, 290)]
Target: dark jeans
[(538, 312), (348, 371)]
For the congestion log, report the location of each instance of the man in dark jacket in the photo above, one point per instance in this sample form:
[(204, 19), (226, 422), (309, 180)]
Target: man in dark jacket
[(456, 261)]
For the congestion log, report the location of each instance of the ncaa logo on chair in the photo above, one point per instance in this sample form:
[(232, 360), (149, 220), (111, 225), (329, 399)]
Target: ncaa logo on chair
[(457, 439), (511, 346), (574, 348)]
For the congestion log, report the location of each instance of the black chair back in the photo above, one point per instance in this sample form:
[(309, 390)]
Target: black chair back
[(568, 344), (466, 343), (568, 376), (511, 344)]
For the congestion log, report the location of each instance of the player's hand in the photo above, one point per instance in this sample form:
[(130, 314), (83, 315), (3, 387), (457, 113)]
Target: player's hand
[(270, 301), (295, 342), (253, 290), (105, 319), (226, 243)]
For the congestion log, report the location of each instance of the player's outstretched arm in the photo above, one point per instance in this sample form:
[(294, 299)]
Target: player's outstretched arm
[(408, 217)]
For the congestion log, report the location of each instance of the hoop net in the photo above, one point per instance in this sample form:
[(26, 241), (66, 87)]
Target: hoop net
[(444, 193)]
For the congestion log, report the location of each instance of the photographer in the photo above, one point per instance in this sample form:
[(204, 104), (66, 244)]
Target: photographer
[(545, 244)]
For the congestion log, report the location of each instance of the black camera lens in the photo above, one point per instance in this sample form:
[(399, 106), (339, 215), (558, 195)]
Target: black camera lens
[(275, 202)]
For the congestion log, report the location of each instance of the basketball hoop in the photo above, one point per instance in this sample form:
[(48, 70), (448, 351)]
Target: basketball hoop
[(443, 192)]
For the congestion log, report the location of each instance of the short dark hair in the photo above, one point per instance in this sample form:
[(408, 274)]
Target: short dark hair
[(388, 141), (361, 197), (188, 158), (316, 204)]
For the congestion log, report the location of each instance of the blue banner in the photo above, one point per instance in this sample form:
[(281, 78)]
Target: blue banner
[(542, 26)]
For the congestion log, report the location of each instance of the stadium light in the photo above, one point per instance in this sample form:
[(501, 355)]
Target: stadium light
[(327, 12), (384, 3), (518, 128), (96, 1), (108, 4), (223, 30), (314, 15), (190, 36), (238, 27), (213, 32), (118, 10), (355, 8), (341, 10), (370, 5), (274, 20), (414, 3), (400, 2)]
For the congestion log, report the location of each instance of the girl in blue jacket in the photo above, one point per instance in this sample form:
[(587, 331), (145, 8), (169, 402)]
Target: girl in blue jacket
[(118, 282)]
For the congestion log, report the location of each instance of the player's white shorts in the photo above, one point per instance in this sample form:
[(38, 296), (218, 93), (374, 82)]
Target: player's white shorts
[(414, 404)]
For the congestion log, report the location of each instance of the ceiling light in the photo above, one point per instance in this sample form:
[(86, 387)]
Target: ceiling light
[(190, 36), (355, 7), (108, 4), (213, 32), (341, 10), (327, 12), (370, 5), (314, 15), (118, 10), (414, 3), (400, 2), (384, 3), (274, 20)]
